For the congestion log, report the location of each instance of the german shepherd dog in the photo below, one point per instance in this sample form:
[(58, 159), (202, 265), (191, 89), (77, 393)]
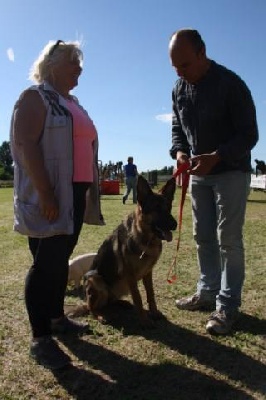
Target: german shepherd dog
[(130, 253)]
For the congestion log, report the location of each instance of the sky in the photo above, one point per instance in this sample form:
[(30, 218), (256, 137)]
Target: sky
[(127, 76)]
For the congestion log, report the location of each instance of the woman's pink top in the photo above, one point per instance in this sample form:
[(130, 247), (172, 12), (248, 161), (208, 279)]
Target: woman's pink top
[(84, 134)]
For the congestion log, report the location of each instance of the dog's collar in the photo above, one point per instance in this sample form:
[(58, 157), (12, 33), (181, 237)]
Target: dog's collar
[(145, 249), (137, 249)]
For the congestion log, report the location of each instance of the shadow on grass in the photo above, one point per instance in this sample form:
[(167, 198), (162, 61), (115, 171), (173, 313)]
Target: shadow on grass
[(250, 324), (114, 376), (226, 360), (257, 201)]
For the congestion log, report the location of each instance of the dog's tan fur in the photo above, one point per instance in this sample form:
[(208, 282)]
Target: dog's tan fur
[(78, 267), (130, 253)]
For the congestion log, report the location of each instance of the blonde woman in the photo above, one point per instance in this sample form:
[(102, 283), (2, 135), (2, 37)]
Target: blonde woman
[(55, 148)]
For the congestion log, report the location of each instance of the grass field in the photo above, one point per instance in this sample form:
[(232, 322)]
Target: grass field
[(176, 360)]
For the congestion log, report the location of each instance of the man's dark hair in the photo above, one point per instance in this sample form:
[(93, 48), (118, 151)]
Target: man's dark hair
[(193, 36)]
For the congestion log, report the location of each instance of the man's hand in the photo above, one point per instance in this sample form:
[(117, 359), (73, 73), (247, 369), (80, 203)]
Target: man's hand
[(203, 164), (181, 158)]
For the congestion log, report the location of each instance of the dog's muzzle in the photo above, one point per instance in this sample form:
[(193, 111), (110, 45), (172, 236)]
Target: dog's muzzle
[(163, 231)]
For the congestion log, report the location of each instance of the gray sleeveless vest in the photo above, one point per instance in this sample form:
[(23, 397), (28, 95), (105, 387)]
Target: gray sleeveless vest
[(57, 148)]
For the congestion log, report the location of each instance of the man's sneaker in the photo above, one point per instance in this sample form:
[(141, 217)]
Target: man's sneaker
[(45, 351), (69, 326), (194, 303), (124, 200), (220, 322)]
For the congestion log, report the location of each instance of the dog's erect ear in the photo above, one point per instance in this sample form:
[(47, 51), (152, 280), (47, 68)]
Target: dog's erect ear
[(168, 190), (143, 190)]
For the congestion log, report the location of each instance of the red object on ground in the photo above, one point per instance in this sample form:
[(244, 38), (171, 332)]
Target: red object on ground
[(110, 187)]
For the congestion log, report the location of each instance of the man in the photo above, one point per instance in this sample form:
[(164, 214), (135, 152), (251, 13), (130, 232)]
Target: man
[(131, 174), (260, 167), (214, 127)]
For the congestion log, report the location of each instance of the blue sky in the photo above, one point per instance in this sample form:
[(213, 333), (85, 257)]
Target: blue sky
[(127, 78)]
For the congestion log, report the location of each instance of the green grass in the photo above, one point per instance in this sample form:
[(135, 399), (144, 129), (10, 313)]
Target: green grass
[(176, 360)]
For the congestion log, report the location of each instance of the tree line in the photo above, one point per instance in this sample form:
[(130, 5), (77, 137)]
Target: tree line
[(6, 162), (7, 170)]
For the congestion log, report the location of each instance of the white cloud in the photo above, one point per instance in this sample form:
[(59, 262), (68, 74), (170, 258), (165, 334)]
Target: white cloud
[(10, 54), (167, 118)]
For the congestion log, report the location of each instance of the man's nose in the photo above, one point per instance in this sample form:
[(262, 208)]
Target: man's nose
[(179, 71)]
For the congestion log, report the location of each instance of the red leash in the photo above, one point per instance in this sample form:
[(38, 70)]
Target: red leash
[(182, 169)]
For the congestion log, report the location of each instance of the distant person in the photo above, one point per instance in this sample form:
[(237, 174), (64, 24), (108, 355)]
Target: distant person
[(260, 167), (131, 174), (54, 147), (214, 127)]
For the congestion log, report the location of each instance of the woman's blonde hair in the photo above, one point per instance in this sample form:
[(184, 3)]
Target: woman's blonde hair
[(51, 54)]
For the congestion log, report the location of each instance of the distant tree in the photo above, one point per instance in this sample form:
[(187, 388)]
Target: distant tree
[(5, 154), (170, 170), (6, 161), (166, 171)]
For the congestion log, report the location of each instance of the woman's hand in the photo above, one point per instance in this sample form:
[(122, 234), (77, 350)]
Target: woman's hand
[(48, 205)]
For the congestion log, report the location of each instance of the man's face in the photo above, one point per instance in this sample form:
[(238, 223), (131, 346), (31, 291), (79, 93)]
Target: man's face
[(188, 63)]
